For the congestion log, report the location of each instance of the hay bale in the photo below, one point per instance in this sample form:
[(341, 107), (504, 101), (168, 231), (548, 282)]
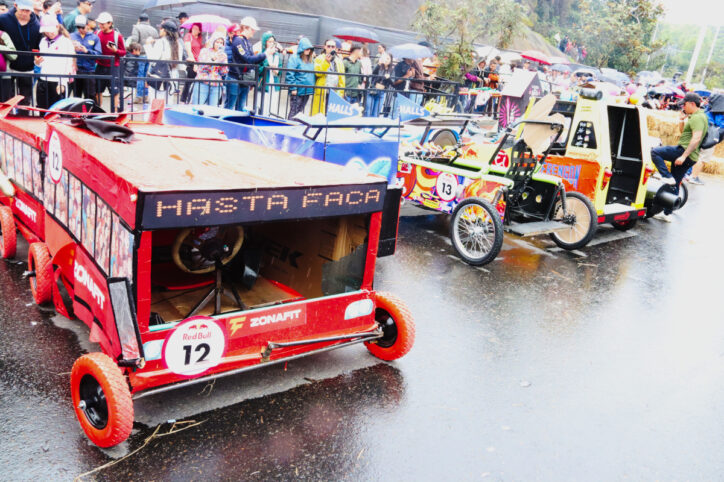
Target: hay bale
[(715, 167), (664, 125), (719, 150)]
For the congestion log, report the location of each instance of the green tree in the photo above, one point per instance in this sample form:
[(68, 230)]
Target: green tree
[(455, 26)]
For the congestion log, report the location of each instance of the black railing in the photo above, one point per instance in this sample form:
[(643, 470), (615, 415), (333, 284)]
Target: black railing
[(166, 79)]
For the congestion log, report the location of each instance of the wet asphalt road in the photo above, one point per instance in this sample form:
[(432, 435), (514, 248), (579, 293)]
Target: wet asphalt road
[(603, 364)]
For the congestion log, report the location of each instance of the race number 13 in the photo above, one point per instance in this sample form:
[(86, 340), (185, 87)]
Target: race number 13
[(446, 186), (196, 345)]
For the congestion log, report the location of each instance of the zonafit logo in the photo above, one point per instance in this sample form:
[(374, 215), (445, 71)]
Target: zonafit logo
[(84, 278), (264, 320)]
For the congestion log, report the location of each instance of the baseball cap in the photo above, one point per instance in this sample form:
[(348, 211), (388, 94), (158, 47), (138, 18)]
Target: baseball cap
[(87, 1), (249, 22), (49, 23), (81, 21), (691, 97), (104, 17), (233, 28), (24, 4), (143, 17)]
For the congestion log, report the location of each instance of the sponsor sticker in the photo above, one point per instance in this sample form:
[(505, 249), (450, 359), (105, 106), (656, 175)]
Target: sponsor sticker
[(268, 320), (195, 346)]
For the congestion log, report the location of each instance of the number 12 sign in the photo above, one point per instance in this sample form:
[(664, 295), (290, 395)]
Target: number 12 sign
[(195, 346)]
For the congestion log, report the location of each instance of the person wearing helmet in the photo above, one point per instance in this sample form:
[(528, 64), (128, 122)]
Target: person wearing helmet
[(112, 45)]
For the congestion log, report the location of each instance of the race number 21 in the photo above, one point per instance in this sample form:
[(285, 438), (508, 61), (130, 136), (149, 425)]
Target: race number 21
[(195, 346)]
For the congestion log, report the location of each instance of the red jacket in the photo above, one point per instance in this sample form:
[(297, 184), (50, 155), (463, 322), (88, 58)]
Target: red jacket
[(111, 36)]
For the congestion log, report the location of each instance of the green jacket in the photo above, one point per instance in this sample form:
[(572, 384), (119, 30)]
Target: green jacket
[(353, 81)]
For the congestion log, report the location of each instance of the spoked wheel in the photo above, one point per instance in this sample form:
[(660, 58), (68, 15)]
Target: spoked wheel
[(580, 216), (397, 325), (41, 282), (476, 231), (624, 225), (8, 234), (101, 399)]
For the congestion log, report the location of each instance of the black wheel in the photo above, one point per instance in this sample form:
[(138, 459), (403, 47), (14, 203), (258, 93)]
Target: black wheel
[(476, 231), (683, 194), (624, 225), (444, 138), (581, 217)]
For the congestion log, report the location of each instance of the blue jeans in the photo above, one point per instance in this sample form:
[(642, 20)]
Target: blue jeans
[(243, 94), (232, 94), (141, 89), (205, 94), (374, 104), (670, 153)]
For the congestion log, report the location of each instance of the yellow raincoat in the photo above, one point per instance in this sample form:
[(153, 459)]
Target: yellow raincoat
[(321, 66)]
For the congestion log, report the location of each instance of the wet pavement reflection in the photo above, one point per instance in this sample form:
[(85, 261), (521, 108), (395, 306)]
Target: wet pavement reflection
[(599, 364)]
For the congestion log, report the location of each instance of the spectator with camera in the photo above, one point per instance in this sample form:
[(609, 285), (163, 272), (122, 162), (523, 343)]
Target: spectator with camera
[(327, 65)]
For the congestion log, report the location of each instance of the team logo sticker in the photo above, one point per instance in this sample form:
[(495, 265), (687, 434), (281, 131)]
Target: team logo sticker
[(446, 186), (195, 346)]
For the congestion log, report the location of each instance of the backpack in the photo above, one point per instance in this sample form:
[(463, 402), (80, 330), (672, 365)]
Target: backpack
[(714, 135)]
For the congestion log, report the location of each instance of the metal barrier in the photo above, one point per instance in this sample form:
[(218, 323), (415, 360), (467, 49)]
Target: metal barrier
[(166, 79)]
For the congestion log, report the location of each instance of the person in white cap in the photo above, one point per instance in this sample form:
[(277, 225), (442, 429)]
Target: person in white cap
[(112, 44), (24, 30), (243, 53), (52, 89)]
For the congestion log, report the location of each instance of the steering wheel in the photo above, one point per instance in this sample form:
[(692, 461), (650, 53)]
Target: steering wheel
[(199, 250)]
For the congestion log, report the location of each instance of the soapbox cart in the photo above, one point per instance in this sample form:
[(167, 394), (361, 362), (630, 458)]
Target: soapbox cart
[(191, 256), (455, 179)]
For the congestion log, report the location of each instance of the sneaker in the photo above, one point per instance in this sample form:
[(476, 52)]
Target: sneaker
[(696, 180), (137, 100), (667, 218), (669, 180)]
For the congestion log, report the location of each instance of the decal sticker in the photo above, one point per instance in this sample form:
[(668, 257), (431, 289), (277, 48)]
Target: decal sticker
[(195, 346), (55, 158), (268, 320), (446, 186)]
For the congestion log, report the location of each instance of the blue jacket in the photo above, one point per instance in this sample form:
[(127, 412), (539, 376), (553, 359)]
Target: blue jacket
[(243, 53), (90, 42), (301, 78), (26, 37)]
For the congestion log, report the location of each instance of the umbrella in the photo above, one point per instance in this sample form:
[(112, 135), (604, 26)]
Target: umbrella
[(559, 60), (561, 68), (585, 73), (150, 4), (703, 93), (486, 51), (209, 23), (508, 57), (357, 34), (410, 51), (536, 56)]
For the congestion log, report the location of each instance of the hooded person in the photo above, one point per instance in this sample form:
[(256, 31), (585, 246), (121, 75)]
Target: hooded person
[(300, 77), (268, 72), (326, 65)]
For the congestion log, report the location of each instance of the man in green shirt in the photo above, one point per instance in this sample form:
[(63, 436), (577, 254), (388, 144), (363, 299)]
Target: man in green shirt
[(686, 153)]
